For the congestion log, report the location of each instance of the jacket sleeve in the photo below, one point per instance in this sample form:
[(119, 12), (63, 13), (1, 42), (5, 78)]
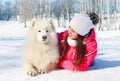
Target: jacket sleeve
[(90, 53)]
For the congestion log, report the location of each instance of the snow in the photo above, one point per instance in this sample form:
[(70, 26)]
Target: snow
[(106, 67)]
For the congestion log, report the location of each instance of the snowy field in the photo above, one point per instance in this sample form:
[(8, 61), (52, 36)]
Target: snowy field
[(106, 67)]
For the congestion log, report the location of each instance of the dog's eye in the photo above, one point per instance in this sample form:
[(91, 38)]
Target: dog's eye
[(39, 31), (46, 30)]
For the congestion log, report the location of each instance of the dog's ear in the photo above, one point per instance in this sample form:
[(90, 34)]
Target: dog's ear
[(33, 23), (51, 22)]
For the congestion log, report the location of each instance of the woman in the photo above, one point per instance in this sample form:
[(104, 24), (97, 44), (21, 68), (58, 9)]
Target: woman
[(78, 46)]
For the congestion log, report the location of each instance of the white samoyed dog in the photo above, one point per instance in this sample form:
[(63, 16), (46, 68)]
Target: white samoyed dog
[(40, 51)]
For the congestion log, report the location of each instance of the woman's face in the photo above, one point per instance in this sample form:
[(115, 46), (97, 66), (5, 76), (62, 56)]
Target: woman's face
[(72, 34)]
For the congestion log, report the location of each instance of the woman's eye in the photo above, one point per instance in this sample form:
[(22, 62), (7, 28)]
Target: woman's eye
[(39, 31), (73, 31)]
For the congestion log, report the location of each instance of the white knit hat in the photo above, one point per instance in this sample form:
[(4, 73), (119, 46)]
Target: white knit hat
[(81, 24)]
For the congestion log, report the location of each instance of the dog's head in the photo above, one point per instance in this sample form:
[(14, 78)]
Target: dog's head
[(43, 30)]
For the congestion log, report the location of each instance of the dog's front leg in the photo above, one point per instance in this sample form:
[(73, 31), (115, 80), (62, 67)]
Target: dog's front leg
[(29, 69)]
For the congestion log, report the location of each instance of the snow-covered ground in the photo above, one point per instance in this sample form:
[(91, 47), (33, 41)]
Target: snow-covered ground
[(106, 67)]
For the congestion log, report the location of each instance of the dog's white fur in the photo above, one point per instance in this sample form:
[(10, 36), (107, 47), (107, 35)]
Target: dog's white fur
[(40, 50)]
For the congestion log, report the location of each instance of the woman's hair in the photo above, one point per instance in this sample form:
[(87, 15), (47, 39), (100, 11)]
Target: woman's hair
[(79, 49), (94, 17)]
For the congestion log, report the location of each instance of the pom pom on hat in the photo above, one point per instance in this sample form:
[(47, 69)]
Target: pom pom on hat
[(81, 24)]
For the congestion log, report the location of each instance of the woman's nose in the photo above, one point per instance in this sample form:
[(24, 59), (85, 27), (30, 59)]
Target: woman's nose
[(69, 31)]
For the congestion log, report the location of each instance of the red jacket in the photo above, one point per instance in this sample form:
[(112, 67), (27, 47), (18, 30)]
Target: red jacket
[(90, 46)]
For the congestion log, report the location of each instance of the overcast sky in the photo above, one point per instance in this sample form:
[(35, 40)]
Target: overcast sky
[(7, 0)]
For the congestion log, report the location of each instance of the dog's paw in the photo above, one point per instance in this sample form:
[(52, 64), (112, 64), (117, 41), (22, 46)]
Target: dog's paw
[(32, 72), (42, 71), (52, 66)]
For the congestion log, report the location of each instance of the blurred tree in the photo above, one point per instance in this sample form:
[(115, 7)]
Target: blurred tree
[(16, 9), (1, 11), (7, 10)]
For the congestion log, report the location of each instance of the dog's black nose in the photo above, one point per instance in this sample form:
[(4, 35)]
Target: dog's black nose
[(44, 36)]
